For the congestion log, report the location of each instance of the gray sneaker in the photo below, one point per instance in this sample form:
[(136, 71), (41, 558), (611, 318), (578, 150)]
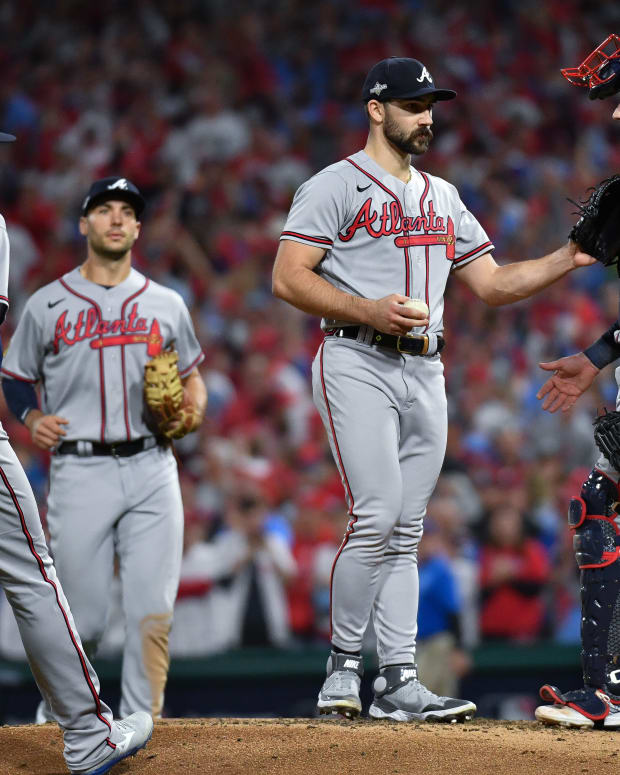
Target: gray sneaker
[(340, 692), (399, 696), (135, 732), (44, 714)]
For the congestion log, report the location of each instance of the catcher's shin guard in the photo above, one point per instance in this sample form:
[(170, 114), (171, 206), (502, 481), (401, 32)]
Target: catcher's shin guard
[(596, 542)]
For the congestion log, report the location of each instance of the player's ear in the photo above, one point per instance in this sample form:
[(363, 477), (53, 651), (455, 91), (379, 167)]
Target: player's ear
[(83, 226), (375, 111)]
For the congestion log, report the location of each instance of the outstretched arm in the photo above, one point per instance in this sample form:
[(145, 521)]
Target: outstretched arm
[(499, 285)]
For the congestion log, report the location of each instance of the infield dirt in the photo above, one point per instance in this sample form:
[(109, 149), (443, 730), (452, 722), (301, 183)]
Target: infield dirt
[(334, 747)]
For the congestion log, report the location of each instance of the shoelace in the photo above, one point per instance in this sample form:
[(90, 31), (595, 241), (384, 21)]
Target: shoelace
[(414, 686)]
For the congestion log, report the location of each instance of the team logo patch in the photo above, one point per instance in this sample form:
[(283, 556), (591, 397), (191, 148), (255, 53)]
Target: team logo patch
[(378, 88), (120, 183), (425, 75)]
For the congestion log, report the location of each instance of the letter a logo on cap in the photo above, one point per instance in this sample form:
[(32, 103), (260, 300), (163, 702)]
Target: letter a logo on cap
[(120, 183), (425, 74)]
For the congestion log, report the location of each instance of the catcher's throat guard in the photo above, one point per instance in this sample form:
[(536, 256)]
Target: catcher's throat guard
[(600, 71)]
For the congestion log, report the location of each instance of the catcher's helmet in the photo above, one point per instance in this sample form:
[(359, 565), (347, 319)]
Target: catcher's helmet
[(599, 71)]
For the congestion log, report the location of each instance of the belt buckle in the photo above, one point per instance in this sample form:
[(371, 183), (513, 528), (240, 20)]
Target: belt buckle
[(114, 451), (425, 344), (404, 352)]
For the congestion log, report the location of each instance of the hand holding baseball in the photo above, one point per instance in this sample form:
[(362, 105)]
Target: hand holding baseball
[(397, 314)]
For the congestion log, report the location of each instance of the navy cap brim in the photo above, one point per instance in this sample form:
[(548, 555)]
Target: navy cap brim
[(7, 138), (438, 94)]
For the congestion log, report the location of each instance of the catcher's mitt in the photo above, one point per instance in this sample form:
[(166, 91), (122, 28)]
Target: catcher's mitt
[(173, 414), (607, 436), (597, 231)]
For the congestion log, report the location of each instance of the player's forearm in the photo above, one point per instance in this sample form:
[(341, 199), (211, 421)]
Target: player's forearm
[(196, 392), (514, 282), (310, 293), (31, 417)]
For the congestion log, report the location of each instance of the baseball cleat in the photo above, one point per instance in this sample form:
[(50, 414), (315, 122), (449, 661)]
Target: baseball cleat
[(399, 696), (340, 693), (44, 714), (562, 716), (135, 731), (580, 709)]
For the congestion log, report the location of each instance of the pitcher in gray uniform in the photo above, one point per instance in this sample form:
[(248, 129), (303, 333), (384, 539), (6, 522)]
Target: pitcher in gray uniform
[(363, 238), (94, 742), (114, 488)]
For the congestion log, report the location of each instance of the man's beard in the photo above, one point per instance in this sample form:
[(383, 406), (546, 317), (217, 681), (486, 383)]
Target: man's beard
[(417, 142)]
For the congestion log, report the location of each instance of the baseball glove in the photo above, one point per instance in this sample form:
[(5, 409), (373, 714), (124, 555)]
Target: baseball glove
[(170, 410), (597, 231), (607, 436)]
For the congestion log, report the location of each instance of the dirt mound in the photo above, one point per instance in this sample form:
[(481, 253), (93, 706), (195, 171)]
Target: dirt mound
[(303, 746)]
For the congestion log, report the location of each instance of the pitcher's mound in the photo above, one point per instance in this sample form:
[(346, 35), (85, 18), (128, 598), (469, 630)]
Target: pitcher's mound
[(332, 747)]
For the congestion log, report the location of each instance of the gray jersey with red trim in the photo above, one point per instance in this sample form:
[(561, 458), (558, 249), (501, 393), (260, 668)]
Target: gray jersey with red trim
[(385, 413), (384, 236), (88, 344), (4, 283)]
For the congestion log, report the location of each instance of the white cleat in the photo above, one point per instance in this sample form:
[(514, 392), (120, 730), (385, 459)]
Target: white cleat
[(562, 716), (136, 731), (340, 693), (44, 714)]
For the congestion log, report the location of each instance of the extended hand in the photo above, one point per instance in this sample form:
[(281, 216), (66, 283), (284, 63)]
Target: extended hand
[(579, 258), (571, 377)]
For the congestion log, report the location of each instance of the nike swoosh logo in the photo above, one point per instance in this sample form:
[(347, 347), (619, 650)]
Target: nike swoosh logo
[(125, 742), (360, 189), (53, 304)]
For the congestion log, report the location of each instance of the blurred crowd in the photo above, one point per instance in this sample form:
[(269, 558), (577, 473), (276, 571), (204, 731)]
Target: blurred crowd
[(218, 111)]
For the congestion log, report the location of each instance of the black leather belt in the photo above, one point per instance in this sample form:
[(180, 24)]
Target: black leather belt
[(413, 344), (118, 449)]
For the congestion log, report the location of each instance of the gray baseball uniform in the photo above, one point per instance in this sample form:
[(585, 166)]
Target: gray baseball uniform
[(384, 412), (86, 345), (60, 667)]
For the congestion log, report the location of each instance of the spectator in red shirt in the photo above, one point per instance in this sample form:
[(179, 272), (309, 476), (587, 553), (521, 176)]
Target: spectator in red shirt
[(513, 571)]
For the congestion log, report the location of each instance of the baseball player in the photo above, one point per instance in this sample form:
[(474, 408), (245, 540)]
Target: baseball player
[(364, 237), (114, 489), (94, 742), (594, 515)]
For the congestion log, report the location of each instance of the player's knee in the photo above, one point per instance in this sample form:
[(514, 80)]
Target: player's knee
[(592, 517)]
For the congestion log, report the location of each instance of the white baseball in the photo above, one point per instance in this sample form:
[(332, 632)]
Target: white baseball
[(418, 305)]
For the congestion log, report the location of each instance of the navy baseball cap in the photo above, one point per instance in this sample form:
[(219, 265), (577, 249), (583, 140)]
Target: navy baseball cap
[(399, 78), (114, 188), (7, 138)]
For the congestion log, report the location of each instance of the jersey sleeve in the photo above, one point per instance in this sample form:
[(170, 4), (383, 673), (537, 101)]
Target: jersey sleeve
[(186, 343), (318, 211), (24, 358), (4, 270), (472, 240)]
